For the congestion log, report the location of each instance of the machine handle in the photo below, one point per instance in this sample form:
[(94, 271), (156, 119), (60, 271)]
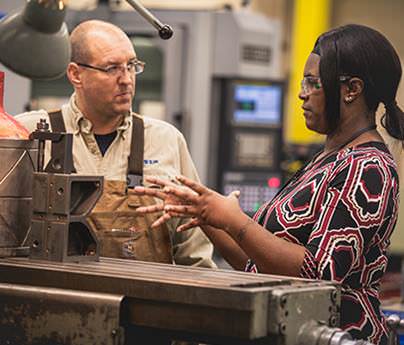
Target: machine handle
[(165, 31)]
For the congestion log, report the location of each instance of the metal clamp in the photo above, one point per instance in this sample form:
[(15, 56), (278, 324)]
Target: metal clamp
[(314, 332), (396, 327), (133, 180)]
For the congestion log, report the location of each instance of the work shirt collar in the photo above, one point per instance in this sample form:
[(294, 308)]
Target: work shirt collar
[(84, 126)]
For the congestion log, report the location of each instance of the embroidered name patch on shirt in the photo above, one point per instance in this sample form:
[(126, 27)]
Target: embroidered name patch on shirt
[(150, 161)]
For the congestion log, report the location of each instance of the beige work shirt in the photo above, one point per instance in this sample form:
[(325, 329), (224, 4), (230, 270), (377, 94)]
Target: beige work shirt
[(166, 155)]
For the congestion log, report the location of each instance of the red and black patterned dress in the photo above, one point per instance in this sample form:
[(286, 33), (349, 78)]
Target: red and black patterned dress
[(343, 209)]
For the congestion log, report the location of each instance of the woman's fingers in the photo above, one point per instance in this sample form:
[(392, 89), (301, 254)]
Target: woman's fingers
[(163, 219), (189, 225), (175, 214), (158, 181), (181, 193), (157, 193), (235, 194), (195, 186), (183, 210), (150, 209)]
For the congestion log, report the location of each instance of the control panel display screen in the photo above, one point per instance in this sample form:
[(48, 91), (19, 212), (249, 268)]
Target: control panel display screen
[(254, 150), (259, 104)]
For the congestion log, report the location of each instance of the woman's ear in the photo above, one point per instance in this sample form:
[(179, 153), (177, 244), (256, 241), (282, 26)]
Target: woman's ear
[(352, 89), (74, 75)]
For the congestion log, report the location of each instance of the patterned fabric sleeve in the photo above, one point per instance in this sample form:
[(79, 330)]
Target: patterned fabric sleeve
[(251, 267), (356, 202)]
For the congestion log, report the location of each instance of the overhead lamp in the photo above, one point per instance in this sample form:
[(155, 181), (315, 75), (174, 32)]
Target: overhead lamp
[(35, 42)]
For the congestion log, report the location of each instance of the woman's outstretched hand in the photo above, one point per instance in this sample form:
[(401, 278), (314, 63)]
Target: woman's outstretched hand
[(203, 205), (158, 193)]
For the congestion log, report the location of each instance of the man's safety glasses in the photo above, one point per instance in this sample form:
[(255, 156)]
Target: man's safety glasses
[(133, 67)]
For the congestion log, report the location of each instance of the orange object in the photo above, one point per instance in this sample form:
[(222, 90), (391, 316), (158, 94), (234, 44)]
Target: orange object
[(9, 128)]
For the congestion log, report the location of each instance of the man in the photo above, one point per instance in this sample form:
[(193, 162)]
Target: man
[(103, 72)]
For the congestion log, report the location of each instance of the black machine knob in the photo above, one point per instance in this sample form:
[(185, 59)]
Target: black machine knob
[(166, 32)]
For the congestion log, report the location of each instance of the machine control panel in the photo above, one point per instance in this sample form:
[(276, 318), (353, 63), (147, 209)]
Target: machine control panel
[(250, 140), (255, 149), (255, 189)]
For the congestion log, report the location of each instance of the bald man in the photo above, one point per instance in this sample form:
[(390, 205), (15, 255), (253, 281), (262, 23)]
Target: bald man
[(108, 141)]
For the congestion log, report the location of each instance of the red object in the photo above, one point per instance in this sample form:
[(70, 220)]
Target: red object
[(9, 128), (274, 182)]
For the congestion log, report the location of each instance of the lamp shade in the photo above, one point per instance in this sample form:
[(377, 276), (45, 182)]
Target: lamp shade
[(35, 42)]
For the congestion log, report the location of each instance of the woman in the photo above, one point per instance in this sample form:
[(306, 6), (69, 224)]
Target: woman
[(334, 218)]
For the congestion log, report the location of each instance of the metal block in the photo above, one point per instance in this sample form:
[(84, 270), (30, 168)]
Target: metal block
[(64, 194), (294, 305), (59, 230), (36, 315), (61, 160), (216, 306), (63, 241), (18, 162)]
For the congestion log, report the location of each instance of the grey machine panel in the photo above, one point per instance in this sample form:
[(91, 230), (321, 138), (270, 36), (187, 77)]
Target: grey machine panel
[(48, 316), (203, 304)]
